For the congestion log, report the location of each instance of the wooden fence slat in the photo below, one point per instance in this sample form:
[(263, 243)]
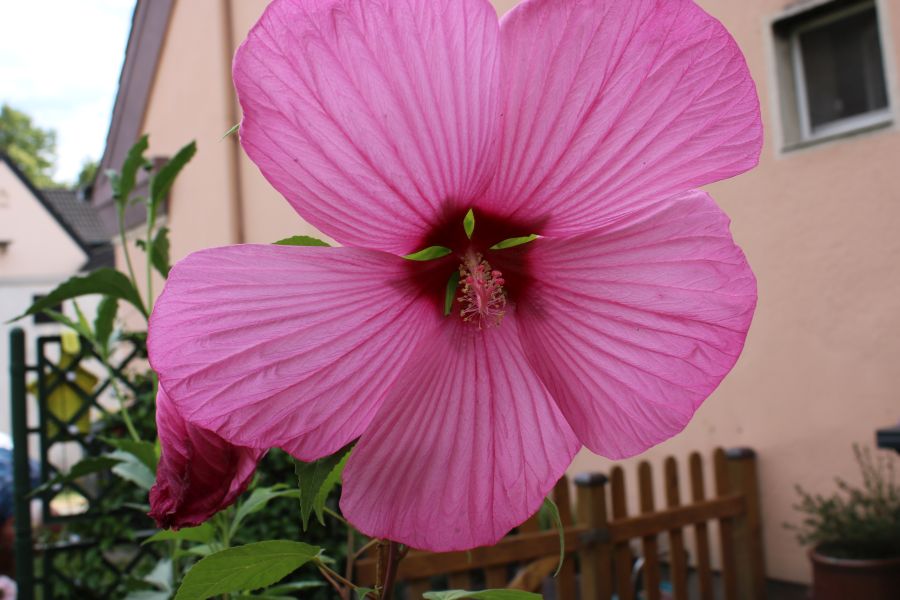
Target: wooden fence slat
[(417, 587), (678, 558), (749, 561), (652, 577), (566, 582), (701, 530), (596, 557), (667, 518), (496, 577), (623, 557), (726, 527), (460, 581), (516, 548)]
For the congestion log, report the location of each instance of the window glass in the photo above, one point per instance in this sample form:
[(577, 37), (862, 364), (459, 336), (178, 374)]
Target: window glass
[(843, 68)]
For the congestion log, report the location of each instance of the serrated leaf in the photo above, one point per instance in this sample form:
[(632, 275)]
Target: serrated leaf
[(313, 478), (429, 253), (244, 568), (302, 240), (202, 533), (469, 223), (258, 500), (450, 293), (145, 452), (86, 466), (513, 242), (132, 469), (64, 320), (482, 595), (123, 184), (159, 252), (103, 322), (105, 281), (550, 507), (162, 181)]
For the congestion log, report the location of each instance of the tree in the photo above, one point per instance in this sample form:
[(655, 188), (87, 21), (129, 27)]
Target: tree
[(32, 149), (87, 174)]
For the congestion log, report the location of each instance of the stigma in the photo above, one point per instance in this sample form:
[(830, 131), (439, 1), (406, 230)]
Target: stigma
[(482, 297)]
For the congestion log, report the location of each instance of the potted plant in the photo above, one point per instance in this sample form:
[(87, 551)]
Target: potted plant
[(854, 534)]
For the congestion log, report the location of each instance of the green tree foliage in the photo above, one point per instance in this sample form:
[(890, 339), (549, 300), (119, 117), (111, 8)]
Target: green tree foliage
[(32, 149), (87, 174)]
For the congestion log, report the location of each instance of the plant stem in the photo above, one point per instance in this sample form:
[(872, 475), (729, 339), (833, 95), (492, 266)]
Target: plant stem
[(332, 513), (121, 210), (123, 408), (393, 560)]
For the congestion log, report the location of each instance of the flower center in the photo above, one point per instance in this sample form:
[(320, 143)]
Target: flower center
[(481, 295)]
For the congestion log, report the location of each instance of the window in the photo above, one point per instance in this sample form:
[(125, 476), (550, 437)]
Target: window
[(831, 71)]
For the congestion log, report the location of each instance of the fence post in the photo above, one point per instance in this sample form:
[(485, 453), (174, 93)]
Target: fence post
[(748, 549), (596, 558), (21, 471)]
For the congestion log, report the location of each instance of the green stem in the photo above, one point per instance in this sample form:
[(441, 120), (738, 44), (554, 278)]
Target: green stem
[(149, 253), (121, 210), (332, 513), (123, 408)]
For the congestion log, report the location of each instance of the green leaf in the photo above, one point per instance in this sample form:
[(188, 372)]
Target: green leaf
[(159, 253), (257, 501), (450, 293), (244, 568), (132, 469), (482, 595), (286, 588), (86, 466), (550, 507), (469, 223), (145, 452), (103, 322), (148, 595), (202, 533), (161, 576), (64, 320), (513, 242), (162, 181), (429, 253), (123, 184), (363, 592), (316, 479), (106, 281), (301, 240), (232, 130)]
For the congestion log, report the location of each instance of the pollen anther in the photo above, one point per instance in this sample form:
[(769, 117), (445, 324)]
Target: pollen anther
[(482, 296)]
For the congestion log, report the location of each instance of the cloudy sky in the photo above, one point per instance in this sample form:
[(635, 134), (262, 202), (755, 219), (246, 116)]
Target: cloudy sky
[(60, 63)]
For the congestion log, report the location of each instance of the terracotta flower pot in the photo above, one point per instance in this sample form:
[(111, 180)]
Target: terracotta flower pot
[(844, 578)]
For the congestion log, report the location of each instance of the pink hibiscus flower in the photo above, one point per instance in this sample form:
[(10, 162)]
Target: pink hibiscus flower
[(586, 122)]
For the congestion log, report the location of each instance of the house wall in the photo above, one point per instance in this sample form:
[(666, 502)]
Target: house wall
[(819, 227), (40, 255)]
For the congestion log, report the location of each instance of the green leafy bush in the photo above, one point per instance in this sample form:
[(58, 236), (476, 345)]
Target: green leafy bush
[(855, 522)]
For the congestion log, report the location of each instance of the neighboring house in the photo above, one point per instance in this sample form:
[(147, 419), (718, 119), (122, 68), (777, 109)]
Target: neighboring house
[(818, 219), (45, 238)]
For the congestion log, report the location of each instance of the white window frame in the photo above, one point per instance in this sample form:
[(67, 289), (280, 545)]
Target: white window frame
[(847, 124)]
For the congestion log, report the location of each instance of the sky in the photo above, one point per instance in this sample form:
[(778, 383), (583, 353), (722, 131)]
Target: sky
[(60, 63)]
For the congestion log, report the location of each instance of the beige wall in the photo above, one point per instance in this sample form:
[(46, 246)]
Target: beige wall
[(39, 247), (819, 227)]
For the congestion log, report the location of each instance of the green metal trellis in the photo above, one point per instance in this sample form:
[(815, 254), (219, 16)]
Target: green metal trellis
[(47, 566)]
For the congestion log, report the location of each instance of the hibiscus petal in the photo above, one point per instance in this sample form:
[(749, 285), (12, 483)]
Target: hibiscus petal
[(372, 118), (632, 326), (286, 346), (199, 473), (465, 448), (611, 105)]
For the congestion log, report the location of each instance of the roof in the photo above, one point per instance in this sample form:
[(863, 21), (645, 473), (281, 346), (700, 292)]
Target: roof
[(98, 251), (78, 213)]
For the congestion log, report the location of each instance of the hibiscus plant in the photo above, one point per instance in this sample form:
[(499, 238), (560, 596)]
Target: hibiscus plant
[(524, 267)]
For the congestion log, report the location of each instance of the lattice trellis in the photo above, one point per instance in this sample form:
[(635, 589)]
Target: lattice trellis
[(74, 553)]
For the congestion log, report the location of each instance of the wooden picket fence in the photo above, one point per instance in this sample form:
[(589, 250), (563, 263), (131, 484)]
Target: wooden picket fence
[(602, 535)]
